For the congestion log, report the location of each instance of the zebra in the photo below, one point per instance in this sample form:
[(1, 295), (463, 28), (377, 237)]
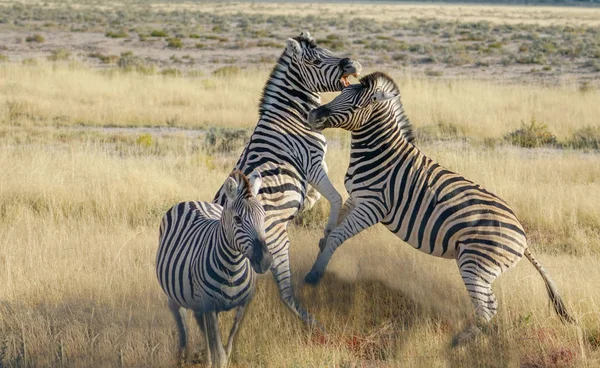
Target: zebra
[(431, 208), (207, 259), (282, 136)]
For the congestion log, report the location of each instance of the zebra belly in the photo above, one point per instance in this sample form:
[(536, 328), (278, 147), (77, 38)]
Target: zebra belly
[(425, 248)]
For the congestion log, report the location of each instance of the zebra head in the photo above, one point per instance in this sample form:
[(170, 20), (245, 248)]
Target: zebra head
[(243, 220), (317, 68), (355, 105)]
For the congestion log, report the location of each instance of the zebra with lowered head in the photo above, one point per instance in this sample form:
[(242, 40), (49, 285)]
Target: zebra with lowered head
[(433, 209), (207, 259), (282, 136)]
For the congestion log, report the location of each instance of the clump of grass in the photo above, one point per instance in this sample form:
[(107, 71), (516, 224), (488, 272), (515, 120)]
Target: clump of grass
[(433, 73), (159, 33), (3, 57), (36, 38), (223, 140), (144, 140), (227, 71), (313, 218), (105, 59), (586, 138), (531, 135), (59, 55), (117, 34), (171, 72), (175, 43)]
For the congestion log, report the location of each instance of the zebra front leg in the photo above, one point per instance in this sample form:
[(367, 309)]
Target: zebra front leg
[(217, 352), (202, 325), (346, 209), (179, 315), (283, 278), (361, 217), (324, 186), (239, 316)]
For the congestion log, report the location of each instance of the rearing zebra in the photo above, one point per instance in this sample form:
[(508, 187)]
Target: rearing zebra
[(207, 257), (282, 136), (433, 209)]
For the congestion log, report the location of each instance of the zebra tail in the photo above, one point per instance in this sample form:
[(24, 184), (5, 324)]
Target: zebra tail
[(557, 302)]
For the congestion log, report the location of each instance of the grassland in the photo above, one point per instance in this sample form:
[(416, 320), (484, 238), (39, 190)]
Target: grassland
[(104, 124)]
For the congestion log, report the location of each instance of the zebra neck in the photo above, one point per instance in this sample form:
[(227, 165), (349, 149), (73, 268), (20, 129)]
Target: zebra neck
[(226, 253), (382, 132), (284, 97)]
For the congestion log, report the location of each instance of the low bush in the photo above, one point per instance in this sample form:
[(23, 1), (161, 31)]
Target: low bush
[(586, 138), (531, 135)]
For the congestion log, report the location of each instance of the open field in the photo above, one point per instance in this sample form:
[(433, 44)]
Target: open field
[(104, 126), (63, 94), (79, 214), (542, 44)]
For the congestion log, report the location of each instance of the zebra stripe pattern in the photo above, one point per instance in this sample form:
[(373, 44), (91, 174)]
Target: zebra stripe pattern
[(208, 256), (431, 208), (282, 137)]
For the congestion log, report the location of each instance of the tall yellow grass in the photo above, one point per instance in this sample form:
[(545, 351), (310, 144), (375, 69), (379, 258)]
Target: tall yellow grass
[(51, 94), (79, 216)]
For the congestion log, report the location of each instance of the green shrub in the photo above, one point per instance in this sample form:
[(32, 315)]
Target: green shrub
[(171, 72), (227, 71), (37, 38), (224, 140), (194, 35), (59, 54), (433, 73), (3, 57), (117, 34), (530, 136), (586, 138), (144, 140), (159, 33), (174, 43)]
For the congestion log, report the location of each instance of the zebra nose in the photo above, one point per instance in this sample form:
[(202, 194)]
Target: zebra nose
[(350, 67), (312, 116)]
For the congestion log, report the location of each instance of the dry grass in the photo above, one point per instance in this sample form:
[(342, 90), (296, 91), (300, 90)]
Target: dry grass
[(79, 214), (56, 94)]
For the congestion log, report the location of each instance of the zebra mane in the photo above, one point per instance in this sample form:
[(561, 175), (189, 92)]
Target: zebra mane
[(243, 183), (371, 80), (283, 62), (310, 42)]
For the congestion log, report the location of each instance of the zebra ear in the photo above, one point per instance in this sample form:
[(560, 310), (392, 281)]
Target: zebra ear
[(255, 181), (293, 47), (231, 188), (306, 34), (381, 96)]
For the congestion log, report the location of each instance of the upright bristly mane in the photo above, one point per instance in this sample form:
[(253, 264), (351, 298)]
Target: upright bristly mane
[(387, 83), (280, 68)]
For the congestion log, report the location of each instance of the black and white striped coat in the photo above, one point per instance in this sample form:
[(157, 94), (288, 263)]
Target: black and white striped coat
[(208, 257), (283, 137), (437, 211)]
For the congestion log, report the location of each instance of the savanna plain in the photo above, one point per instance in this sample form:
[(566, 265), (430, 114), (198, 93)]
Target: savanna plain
[(111, 113)]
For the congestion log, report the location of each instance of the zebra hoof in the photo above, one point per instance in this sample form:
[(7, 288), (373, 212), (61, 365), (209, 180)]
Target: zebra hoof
[(313, 277), (467, 335)]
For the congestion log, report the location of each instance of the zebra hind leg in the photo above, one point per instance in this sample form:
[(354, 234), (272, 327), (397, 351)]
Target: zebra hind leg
[(482, 297), (179, 315)]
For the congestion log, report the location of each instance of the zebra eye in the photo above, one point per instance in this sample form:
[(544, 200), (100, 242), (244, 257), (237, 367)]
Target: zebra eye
[(238, 220)]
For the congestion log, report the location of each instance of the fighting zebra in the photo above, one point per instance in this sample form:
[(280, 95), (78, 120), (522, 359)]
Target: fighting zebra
[(207, 259), (433, 209), (282, 136)]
